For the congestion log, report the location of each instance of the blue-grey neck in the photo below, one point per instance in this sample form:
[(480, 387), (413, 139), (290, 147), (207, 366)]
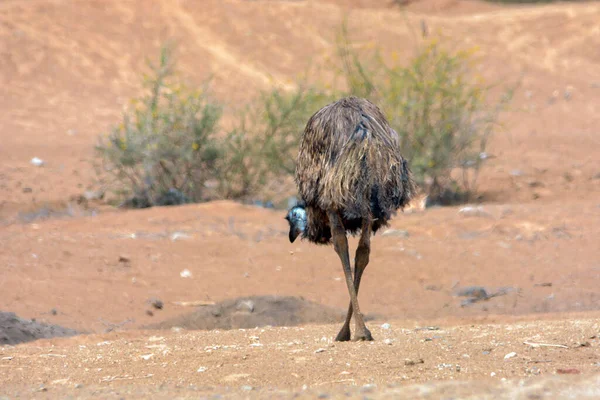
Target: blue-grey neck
[(296, 217)]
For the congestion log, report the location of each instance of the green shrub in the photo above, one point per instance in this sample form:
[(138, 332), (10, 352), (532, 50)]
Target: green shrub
[(262, 147), (164, 150), (439, 107), (168, 148)]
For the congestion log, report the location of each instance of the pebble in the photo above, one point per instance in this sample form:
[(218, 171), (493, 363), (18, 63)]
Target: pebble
[(470, 211), (510, 355), (185, 273), (156, 303), (386, 326), (201, 369), (396, 232), (38, 162)]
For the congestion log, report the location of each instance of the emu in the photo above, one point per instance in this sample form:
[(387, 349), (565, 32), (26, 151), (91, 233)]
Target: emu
[(351, 177)]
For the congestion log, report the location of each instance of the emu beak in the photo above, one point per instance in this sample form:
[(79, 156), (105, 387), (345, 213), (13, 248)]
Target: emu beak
[(294, 232)]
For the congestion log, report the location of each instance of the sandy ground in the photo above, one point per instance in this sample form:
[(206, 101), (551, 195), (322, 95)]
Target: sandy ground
[(67, 71)]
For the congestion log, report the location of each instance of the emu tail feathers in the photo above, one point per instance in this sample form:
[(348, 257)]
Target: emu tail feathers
[(368, 175)]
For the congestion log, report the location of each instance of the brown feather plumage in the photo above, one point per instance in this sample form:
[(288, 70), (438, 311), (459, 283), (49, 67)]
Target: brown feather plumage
[(350, 162)]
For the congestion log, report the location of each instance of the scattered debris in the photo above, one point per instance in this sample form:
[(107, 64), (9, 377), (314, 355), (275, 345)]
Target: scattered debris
[(396, 232), (543, 284), (185, 273), (124, 259), (179, 235), (156, 303), (568, 371), (470, 211), (245, 305), (112, 326), (428, 328), (194, 303), (38, 162), (535, 345), (479, 293), (409, 362)]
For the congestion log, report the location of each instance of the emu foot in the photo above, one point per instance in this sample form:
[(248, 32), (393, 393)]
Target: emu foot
[(343, 335), (362, 335)]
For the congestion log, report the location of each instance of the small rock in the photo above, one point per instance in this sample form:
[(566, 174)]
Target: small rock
[(149, 313), (93, 195), (53, 311), (78, 386), (38, 162), (147, 356), (156, 303), (246, 388), (185, 273), (321, 350), (245, 305), (516, 172), (369, 387), (201, 369), (477, 292), (179, 235), (409, 362), (386, 326), (470, 211), (510, 355), (27, 190), (396, 232), (568, 371), (388, 341), (124, 259), (492, 374)]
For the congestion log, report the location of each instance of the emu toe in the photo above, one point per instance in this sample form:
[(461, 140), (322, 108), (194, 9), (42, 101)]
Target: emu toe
[(343, 335), (363, 335)]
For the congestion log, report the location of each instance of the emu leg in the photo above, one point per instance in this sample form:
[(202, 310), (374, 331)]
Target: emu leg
[(360, 263), (340, 244)]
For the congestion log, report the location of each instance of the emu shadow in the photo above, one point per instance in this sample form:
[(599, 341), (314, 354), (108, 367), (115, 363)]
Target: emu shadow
[(255, 311)]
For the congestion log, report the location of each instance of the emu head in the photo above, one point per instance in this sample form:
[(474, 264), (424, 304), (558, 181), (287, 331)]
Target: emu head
[(296, 217)]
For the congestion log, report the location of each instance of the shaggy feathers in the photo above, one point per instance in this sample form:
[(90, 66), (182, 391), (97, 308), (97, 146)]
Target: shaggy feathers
[(349, 161)]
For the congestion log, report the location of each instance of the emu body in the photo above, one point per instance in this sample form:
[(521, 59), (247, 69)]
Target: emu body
[(351, 178)]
